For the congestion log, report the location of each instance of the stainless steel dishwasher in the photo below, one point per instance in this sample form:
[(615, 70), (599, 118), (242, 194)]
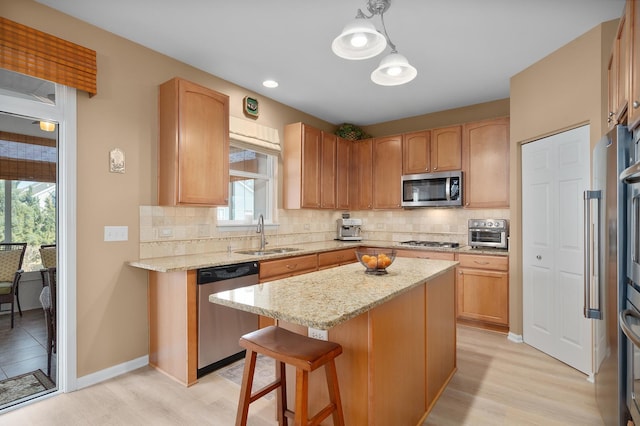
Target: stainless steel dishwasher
[(220, 327)]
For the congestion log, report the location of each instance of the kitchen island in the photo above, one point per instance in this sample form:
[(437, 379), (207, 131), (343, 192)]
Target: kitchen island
[(397, 332)]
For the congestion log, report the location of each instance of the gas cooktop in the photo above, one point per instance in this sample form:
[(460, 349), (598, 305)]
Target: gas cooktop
[(429, 244)]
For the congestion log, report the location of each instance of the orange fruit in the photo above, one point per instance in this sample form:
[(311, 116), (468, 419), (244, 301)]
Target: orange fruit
[(365, 258), (372, 263)]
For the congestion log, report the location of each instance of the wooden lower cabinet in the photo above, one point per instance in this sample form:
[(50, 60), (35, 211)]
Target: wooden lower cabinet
[(424, 254), (483, 291), (397, 358), (333, 258), (287, 267), (173, 325)]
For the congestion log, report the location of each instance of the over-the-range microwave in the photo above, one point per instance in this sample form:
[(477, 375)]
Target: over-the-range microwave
[(442, 189)]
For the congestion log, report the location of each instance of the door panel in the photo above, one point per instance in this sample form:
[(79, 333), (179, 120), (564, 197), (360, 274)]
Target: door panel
[(555, 173)]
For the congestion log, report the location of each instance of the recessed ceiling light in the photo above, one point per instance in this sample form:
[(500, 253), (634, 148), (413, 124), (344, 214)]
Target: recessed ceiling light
[(270, 83)]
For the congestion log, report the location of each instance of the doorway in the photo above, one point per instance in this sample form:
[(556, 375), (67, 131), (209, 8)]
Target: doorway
[(26, 102), (555, 173)]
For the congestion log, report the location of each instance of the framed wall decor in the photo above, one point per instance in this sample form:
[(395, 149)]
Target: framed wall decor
[(250, 107)]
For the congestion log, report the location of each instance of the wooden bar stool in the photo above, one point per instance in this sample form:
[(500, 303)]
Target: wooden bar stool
[(305, 354)]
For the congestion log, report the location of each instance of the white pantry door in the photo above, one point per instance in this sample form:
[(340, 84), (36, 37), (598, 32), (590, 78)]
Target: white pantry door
[(555, 173)]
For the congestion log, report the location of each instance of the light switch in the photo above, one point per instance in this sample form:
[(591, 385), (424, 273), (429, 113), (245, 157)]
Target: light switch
[(116, 233)]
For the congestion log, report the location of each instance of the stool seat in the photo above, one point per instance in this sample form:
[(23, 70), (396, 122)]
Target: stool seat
[(292, 348), (305, 354)]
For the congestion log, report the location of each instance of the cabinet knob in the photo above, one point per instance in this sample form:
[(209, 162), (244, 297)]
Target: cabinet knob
[(609, 120), (426, 169), (435, 168), (610, 113), (636, 104)]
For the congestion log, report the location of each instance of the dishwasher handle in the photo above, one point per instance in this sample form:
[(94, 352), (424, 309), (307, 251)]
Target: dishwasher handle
[(229, 272)]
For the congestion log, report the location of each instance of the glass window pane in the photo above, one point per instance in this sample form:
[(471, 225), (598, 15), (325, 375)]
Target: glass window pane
[(245, 160)]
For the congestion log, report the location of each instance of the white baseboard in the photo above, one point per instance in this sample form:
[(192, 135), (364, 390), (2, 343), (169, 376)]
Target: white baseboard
[(111, 372), (516, 338)]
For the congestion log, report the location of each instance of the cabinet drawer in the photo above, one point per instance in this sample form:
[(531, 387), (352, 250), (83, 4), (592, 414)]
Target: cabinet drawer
[(288, 267), (495, 263), (336, 258), (422, 254)]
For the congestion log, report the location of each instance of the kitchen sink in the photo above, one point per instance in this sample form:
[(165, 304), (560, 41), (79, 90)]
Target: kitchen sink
[(258, 252)]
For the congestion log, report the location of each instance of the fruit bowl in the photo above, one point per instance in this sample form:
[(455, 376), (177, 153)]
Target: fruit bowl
[(376, 260)]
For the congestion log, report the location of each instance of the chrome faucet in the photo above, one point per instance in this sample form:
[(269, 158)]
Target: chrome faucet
[(260, 231)]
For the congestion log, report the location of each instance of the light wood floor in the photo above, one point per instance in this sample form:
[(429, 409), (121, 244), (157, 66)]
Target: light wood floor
[(498, 383)]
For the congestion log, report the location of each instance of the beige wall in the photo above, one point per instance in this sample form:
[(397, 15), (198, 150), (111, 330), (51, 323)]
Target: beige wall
[(111, 297), (486, 110), (566, 89)]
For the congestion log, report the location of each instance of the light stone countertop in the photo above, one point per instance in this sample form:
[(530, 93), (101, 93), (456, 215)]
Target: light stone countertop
[(329, 297), (196, 261)]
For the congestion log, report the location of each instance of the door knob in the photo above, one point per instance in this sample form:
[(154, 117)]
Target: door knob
[(539, 257), (636, 104)]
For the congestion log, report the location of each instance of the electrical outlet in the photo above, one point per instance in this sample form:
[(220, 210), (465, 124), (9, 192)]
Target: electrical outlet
[(318, 334), (116, 233)]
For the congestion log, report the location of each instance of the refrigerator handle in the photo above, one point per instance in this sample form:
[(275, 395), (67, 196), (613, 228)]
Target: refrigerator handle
[(589, 312), (626, 328), (631, 174)]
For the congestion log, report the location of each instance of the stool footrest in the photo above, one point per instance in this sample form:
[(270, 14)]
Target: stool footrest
[(265, 390), (315, 420)]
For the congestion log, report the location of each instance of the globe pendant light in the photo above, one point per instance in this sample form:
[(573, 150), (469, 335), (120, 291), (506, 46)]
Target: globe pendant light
[(359, 40), (394, 69)]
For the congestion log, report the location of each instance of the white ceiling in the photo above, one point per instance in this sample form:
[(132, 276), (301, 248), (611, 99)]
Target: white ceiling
[(465, 50)]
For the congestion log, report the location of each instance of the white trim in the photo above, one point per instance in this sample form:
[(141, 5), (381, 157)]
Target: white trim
[(67, 219), (64, 113), (517, 338), (111, 372)]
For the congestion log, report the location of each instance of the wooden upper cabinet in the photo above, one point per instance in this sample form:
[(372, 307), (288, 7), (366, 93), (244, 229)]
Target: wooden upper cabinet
[(485, 163), (428, 151), (361, 178), (343, 159), (193, 154), (633, 24), (612, 78), (302, 153), (416, 152), (387, 172), (328, 171), (446, 149), (622, 54)]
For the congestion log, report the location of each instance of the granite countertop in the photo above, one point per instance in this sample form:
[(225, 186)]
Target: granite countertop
[(196, 261), (326, 298)]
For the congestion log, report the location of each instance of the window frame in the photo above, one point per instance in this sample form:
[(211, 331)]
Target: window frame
[(271, 177)]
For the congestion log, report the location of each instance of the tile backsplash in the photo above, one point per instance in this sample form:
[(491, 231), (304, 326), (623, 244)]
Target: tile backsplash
[(173, 231)]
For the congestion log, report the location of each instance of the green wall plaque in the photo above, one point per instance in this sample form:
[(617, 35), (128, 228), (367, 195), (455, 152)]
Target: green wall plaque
[(251, 107)]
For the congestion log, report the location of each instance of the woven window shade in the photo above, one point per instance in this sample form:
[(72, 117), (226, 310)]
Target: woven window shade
[(32, 52), (27, 164)]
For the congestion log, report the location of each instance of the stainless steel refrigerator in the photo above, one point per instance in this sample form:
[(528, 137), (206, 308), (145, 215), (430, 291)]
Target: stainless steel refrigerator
[(605, 251)]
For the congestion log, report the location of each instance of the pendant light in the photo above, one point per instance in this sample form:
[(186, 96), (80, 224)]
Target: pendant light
[(360, 40)]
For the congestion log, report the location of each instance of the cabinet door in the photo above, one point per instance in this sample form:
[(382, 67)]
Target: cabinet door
[(193, 167), (301, 162), (343, 159), (361, 177), (622, 50), (485, 163), (328, 170), (287, 267), (633, 11), (387, 172), (416, 152), (612, 79), (446, 149), (483, 295)]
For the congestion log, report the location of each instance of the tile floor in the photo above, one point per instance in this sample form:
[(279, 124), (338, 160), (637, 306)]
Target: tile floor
[(23, 348)]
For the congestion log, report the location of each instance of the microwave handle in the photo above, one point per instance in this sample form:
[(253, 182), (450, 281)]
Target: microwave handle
[(447, 188), (595, 313)]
